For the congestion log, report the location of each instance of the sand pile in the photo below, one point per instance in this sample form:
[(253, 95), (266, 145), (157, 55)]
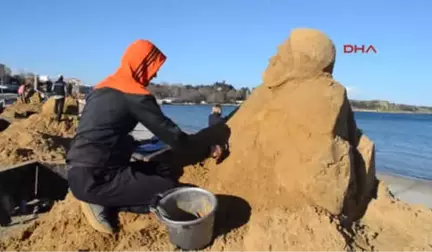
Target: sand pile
[(297, 158), (136, 231), (39, 136), (36, 98), (19, 111)]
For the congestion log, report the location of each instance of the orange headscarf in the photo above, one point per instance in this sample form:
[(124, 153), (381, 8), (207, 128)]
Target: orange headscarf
[(139, 65)]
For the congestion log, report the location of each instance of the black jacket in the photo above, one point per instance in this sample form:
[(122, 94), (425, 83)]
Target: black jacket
[(215, 119), (59, 88), (102, 138)]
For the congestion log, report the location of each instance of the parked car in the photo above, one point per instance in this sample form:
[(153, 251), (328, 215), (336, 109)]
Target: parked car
[(9, 88)]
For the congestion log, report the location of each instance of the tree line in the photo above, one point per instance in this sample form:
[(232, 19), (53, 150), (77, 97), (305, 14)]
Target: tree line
[(218, 92), (386, 106)]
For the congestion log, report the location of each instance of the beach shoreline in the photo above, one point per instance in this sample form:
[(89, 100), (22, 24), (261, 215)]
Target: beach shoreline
[(408, 189), (10, 97), (391, 112), (353, 109)]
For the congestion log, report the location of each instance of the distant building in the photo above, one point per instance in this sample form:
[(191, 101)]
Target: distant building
[(43, 78), (167, 101), (4, 79)]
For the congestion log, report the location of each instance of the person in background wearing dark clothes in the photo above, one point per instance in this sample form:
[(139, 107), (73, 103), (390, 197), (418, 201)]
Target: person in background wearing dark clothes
[(100, 173), (59, 89), (215, 118), (69, 89), (216, 115)]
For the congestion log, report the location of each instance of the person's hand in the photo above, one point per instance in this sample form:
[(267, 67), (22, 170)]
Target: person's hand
[(216, 152)]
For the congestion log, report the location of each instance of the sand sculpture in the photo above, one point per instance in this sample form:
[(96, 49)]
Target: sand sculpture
[(302, 173), (299, 127)]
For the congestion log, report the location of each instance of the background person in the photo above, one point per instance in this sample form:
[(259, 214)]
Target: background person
[(21, 93), (59, 90), (216, 115)]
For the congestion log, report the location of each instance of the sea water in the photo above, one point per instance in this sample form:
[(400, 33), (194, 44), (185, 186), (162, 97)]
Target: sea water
[(403, 141)]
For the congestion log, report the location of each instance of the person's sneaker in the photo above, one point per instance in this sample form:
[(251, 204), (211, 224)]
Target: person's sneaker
[(98, 217)]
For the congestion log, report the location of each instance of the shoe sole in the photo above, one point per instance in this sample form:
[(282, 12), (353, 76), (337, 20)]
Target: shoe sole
[(91, 218)]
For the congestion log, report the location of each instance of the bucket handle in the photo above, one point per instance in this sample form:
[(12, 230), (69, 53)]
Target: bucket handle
[(154, 205)]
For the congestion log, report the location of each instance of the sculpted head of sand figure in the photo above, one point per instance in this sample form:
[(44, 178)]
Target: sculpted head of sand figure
[(307, 53)]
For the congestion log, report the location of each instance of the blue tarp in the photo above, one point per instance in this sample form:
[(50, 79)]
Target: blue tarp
[(155, 145)]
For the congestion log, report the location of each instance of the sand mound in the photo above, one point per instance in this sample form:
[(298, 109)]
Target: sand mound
[(281, 229), (391, 225), (38, 137), (137, 231), (19, 111), (299, 161), (36, 98)]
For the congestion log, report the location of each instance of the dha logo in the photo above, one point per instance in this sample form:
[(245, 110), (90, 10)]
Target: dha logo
[(364, 49)]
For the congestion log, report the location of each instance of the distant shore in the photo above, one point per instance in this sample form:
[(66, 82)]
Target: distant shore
[(12, 96), (354, 109), (392, 112)]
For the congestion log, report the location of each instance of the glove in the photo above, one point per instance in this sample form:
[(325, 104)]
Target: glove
[(216, 152)]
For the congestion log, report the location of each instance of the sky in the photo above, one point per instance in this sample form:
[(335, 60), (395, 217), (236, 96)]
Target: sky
[(231, 40)]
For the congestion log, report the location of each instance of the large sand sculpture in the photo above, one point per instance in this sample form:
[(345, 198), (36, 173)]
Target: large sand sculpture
[(300, 176)]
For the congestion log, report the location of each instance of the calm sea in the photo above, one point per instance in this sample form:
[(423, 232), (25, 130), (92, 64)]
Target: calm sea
[(403, 141)]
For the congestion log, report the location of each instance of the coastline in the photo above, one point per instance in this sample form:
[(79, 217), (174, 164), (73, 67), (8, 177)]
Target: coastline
[(9, 96), (391, 112), (353, 109), (411, 190)]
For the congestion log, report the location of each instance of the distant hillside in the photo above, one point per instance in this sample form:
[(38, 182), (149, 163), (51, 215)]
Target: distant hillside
[(386, 106)]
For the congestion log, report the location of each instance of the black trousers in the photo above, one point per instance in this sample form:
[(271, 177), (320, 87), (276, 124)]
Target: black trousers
[(58, 108), (131, 188)]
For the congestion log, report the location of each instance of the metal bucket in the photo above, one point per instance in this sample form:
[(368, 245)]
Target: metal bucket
[(189, 214)]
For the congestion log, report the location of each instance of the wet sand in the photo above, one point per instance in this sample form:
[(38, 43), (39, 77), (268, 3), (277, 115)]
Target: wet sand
[(410, 190)]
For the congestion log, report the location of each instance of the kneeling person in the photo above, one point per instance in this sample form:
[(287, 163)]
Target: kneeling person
[(100, 174)]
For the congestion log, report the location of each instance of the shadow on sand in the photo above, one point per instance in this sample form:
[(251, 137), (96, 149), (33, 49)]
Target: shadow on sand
[(233, 212)]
